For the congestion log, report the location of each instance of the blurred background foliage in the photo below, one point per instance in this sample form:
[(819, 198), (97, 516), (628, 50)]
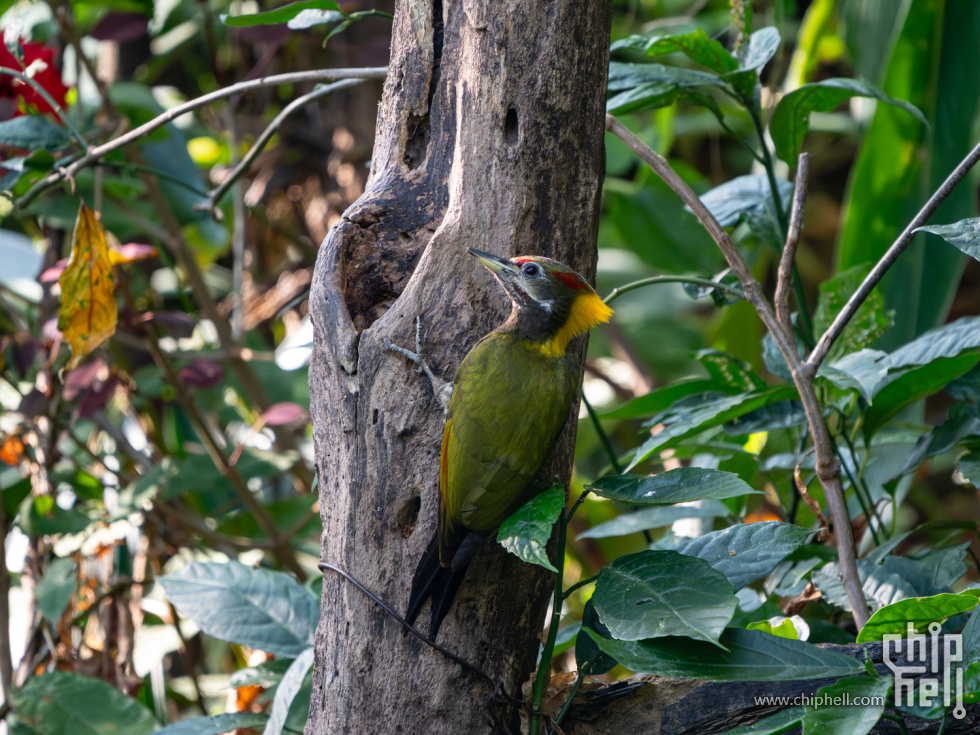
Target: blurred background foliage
[(184, 438)]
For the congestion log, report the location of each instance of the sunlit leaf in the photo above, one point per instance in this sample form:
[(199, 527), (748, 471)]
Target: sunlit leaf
[(283, 14), (919, 611), (526, 532), (286, 692), (848, 719), (215, 725), (87, 315), (964, 235)]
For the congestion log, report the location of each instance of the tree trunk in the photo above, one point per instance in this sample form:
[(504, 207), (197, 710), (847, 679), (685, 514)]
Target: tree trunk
[(489, 135)]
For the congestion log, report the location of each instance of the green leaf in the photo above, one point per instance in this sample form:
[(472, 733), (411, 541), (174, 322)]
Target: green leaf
[(862, 371), (783, 721), (751, 656), (949, 340), (747, 551), (897, 392), (266, 610), (698, 47), (662, 399), (286, 692), (215, 725), (893, 579), (526, 532), (627, 76), (673, 486), (969, 467), (964, 235), (590, 660), (55, 588), (783, 629), (60, 703), (869, 322), (920, 611), (963, 420), (708, 415), (42, 516), (283, 14), (662, 593), (791, 118), (761, 47), (848, 719), (310, 18), (33, 132), (749, 198), (781, 415), (656, 517)]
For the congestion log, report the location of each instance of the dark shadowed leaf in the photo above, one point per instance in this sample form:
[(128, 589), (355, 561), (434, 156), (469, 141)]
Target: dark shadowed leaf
[(782, 415), (776, 724), (266, 610), (748, 551), (201, 373), (791, 118), (525, 534), (662, 593), (662, 399), (964, 235), (589, 658), (920, 611), (627, 76), (674, 486), (60, 703), (962, 420), (215, 725), (31, 132), (869, 322), (849, 719), (656, 517), (751, 656)]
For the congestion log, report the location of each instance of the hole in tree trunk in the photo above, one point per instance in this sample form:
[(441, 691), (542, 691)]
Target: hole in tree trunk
[(511, 127), (408, 515), (417, 141)]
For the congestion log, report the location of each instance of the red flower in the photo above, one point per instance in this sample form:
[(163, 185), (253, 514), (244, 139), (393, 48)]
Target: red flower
[(21, 95)]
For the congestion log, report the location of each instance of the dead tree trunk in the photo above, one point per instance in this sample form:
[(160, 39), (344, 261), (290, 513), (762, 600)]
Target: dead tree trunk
[(489, 135)]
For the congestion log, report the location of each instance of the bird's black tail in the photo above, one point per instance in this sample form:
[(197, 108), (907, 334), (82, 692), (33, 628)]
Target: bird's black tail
[(432, 580)]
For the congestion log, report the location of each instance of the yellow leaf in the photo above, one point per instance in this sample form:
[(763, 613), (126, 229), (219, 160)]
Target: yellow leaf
[(87, 315)]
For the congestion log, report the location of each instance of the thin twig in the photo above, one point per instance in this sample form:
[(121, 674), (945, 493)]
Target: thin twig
[(784, 276), (263, 139), (888, 260), (693, 280), (827, 465), (95, 153)]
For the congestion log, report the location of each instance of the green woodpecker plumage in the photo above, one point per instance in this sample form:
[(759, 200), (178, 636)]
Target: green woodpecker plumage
[(511, 396)]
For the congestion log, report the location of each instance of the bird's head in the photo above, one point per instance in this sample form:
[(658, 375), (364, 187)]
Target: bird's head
[(552, 304)]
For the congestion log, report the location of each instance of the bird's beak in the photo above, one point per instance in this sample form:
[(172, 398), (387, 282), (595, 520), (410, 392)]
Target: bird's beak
[(501, 267)]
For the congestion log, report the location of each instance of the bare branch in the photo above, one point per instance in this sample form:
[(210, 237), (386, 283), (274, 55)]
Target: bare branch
[(260, 143), (784, 277), (827, 465), (888, 260), (96, 152)]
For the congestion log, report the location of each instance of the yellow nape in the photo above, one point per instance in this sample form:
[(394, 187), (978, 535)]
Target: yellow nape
[(587, 311)]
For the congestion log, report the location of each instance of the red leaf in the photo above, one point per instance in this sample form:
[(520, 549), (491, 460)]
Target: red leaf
[(201, 373), (281, 414)]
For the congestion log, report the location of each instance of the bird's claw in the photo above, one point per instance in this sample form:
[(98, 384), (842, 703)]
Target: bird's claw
[(441, 388)]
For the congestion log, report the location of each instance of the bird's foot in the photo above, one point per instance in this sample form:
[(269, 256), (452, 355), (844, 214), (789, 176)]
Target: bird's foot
[(442, 389)]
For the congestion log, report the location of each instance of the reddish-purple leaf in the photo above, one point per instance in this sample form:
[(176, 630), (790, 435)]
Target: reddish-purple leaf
[(281, 414), (201, 373), (122, 27), (23, 353), (95, 399), (84, 377), (33, 404), (179, 324)]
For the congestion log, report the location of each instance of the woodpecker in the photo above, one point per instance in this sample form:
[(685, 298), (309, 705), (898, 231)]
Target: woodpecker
[(504, 411)]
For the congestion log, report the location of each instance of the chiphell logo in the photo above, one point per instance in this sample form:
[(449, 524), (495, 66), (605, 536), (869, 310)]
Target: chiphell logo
[(927, 669)]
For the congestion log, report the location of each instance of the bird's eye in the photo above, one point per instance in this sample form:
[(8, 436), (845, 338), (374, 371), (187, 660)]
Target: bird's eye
[(531, 270)]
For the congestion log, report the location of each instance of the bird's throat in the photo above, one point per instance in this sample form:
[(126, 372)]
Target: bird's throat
[(587, 310)]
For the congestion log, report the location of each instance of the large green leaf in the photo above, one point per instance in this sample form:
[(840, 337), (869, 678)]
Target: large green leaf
[(964, 235), (791, 118), (266, 610), (55, 588), (848, 719), (698, 46), (662, 593), (863, 371), (919, 611), (662, 399), (626, 76), (656, 517), (525, 534), (60, 703), (590, 660), (897, 392), (216, 725), (745, 197), (680, 485), (901, 161), (747, 551), (711, 414), (895, 578), (948, 340), (751, 656), (963, 420)]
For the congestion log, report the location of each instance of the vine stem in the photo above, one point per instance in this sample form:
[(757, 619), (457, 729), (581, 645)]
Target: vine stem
[(827, 464), (94, 153), (653, 280), (33, 84)]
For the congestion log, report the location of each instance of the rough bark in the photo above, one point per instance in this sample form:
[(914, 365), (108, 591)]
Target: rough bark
[(489, 135), (660, 706)]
